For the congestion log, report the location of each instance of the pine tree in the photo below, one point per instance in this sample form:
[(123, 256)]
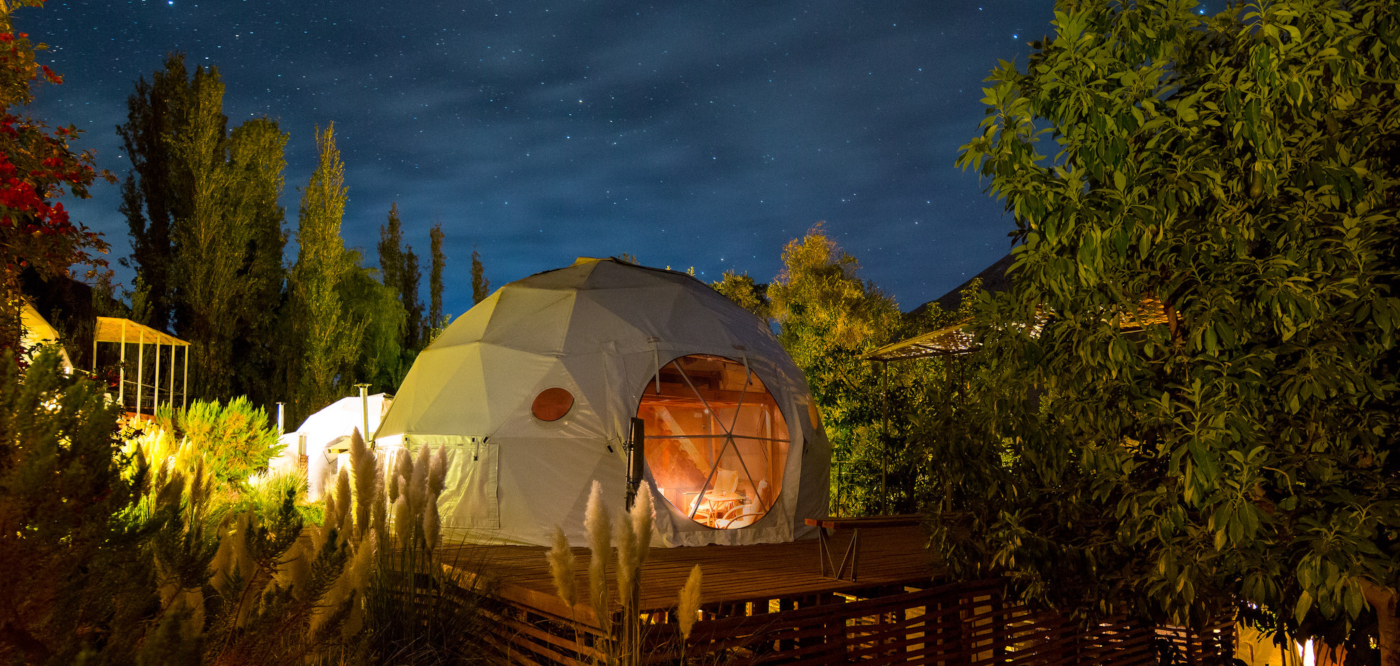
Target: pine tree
[(329, 338), (481, 287), (435, 280)]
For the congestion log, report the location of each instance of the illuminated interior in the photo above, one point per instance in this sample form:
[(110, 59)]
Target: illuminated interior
[(716, 442)]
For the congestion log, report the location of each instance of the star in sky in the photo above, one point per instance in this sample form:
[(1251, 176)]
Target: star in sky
[(541, 131)]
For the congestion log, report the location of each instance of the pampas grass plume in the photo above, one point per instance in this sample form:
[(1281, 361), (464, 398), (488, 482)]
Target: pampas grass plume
[(418, 483), (403, 522), (598, 525), (343, 497), (403, 463), (627, 568), (689, 608), (643, 513), (367, 476), (437, 474), (379, 511), (332, 513), (391, 478), (563, 565), (432, 525)]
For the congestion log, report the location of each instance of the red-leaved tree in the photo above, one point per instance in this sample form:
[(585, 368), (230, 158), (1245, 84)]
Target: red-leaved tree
[(37, 166)]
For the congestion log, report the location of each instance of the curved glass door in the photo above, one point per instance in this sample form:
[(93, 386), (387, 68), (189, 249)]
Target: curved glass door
[(716, 442)]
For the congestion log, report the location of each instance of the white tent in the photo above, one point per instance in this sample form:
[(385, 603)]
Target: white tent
[(328, 429), (535, 389)]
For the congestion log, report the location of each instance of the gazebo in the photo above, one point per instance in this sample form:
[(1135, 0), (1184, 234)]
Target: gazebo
[(141, 395)]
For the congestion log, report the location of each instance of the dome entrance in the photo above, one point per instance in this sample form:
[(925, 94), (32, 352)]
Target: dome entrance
[(716, 442)]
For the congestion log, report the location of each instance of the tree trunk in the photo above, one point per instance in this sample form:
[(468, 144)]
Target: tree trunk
[(1387, 622)]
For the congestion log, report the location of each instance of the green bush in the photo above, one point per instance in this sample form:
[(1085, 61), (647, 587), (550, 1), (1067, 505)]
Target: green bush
[(235, 438), (75, 574)]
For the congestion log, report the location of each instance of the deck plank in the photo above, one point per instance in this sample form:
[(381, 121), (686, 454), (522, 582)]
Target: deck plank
[(889, 556)]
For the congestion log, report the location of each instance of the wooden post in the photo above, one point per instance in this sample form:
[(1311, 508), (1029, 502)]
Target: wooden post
[(121, 380), (140, 366), (155, 381), (364, 409), (185, 382), (302, 462), (171, 384), (884, 438)]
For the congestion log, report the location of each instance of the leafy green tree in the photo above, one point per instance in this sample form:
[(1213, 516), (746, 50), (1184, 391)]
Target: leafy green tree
[(481, 287), (398, 268), (233, 184), (1237, 174), (207, 240), (257, 155), (37, 166), (60, 490), (828, 318), (748, 294), (382, 361), (329, 339)]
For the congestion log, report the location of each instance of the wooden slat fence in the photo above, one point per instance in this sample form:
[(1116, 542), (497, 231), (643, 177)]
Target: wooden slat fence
[(959, 624)]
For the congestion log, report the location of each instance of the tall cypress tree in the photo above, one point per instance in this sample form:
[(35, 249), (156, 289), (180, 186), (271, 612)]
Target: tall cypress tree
[(481, 287), (257, 150), (329, 339), (391, 251), (412, 303), (150, 197), (435, 279)]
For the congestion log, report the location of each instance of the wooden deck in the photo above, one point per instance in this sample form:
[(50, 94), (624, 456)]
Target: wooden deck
[(769, 604), (892, 556)]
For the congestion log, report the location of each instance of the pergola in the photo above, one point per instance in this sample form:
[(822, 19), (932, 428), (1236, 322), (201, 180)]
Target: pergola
[(132, 393), (954, 340)]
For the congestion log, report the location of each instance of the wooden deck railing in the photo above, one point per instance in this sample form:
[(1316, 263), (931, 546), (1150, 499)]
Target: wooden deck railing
[(964, 624)]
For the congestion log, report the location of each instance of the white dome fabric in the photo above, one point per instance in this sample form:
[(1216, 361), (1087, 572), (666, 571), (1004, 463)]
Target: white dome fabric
[(599, 329), (323, 429)]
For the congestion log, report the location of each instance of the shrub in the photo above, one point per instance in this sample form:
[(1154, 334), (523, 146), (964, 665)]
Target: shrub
[(60, 488), (234, 438)]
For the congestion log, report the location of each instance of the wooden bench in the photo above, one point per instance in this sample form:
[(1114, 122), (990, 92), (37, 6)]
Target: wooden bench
[(852, 555)]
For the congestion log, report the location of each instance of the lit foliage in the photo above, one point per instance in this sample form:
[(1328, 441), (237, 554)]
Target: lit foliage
[(36, 167), (828, 317), (1242, 169), (201, 204), (748, 294), (60, 486), (233, 439), (329, 340)]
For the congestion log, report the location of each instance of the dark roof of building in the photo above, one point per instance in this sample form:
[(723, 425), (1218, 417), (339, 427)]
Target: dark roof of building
[(994, 279)]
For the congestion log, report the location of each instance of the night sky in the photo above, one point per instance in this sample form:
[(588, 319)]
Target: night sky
[(697, 133)]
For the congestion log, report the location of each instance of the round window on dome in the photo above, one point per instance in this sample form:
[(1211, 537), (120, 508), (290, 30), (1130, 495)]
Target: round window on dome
[(552, 404)]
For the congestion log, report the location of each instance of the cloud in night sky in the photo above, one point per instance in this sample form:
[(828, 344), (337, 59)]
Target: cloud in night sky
[(702, 134)]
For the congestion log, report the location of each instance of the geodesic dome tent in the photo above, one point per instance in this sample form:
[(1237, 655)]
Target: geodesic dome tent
[(536, 387), (327, 432)]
